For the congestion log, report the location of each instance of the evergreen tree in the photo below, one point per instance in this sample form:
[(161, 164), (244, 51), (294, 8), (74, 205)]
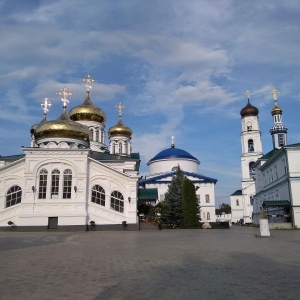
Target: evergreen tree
[(190, 208), (174, 198)]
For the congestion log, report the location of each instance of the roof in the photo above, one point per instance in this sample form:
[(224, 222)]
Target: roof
[(107, 156), (270, 154), (12, 158), (237, 193), (147, 194), (276, 203), (160, 178), (172, 153)]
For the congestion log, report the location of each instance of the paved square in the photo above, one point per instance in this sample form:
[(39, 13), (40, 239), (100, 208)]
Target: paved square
[(168, 264)]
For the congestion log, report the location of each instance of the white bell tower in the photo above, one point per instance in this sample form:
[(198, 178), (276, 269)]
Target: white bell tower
[(251, 152)]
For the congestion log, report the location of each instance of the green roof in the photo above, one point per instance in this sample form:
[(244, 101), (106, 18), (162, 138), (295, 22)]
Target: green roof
[(237, 193), (107, 156), (276, 203), (270, 154), (12, 158), (147, 194)]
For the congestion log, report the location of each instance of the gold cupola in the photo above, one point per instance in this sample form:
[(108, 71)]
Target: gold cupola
[(119, 129), (62, 128), (276, 109), (87, 111)]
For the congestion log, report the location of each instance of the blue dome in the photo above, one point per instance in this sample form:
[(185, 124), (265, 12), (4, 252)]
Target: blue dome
[(173, 153)]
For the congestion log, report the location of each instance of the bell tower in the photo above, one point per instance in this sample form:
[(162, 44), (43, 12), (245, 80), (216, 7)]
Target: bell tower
[(251, 151)]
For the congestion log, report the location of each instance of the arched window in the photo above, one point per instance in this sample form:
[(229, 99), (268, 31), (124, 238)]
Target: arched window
[(208, 216), (250, 146), (13, 196), (67, 187), (43, 184), (91, 134), (55, 183), (97, 135), (117, 201), (249, 126), (237, 202), (120, 147), (98, 195), (251, 170)]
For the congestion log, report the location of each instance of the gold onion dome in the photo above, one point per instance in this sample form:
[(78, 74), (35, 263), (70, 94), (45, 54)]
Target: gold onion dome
[(119, 129), (63, 127), (87, 111), (276, 111), (34, 127), (249, 110)]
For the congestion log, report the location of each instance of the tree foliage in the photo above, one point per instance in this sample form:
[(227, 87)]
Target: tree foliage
[(223, 208), (173, 198), (190, 208)]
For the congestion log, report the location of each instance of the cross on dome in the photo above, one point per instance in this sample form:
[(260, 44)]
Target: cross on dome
[(46, 104), (88, 81), (275, 93), (172, 141), (120, 108), (64, 93), (248, 93)]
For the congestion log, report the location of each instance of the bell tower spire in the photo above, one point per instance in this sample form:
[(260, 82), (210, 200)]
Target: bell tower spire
[(278, 130)]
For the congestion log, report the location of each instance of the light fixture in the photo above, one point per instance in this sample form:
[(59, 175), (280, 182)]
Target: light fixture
[(129, 199), (33, 189), (75, 189)]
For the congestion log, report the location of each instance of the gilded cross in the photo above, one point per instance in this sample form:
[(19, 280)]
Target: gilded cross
[(275, 93), (120, 108), (46, 105), (88, 81), (172, 139), (248, 93), (65, 93)]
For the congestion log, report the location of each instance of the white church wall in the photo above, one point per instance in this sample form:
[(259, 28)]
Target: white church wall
[(163, 166)]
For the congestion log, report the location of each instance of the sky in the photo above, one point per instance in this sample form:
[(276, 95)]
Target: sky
[(181, 68)]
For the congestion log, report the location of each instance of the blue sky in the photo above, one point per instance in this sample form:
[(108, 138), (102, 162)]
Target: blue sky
[(180, 67)]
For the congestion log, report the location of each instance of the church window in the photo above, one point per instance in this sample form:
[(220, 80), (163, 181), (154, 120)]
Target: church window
[(208, 216), (250, 146), (97, 136), (98, 195), (91, 134), (117, 201), (207, 200), (281, 140), (120, 147), (43, 184), (249, 126), (55, 183), (251, 170), (67, 187), (251, 200), (13, 196), (237, 202)]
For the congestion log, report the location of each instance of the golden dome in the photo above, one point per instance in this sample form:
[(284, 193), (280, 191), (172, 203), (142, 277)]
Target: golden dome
[(87, 111), (249, 110), (63, 127), (276, 111), (33, 127), (119, 129)]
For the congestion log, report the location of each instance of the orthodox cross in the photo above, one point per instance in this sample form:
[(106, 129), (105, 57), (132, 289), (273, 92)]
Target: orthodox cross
[(275, 93), (120, 108), (46, 104), (64, 93), (248, 93), (88, 82), (172, 141)]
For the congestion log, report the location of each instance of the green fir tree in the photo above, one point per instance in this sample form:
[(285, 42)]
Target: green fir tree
[(190, 209), (174, 198)]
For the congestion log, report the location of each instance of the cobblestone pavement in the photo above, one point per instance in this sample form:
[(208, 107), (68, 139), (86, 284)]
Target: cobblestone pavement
[(167, 264)]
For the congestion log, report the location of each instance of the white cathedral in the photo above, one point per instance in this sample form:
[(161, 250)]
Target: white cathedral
[(69, 178), (270, 182)]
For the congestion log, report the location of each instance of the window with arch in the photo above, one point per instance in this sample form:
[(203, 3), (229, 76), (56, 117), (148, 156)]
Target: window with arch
[(249, 126), (43, 184), (237, 202), (117, 201), (251, 170), (55, 183), (208, 216), (98, 195), (13, 196), (91, 134), (250, 146), (120, 147), (67, 184), (97, 136)]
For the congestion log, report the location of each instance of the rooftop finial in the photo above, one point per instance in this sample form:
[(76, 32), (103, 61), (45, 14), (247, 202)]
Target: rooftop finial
[(275, 93), (88, 81), (248, 93), (120, 108), (172, 141), (64, 93), (46, 104)]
